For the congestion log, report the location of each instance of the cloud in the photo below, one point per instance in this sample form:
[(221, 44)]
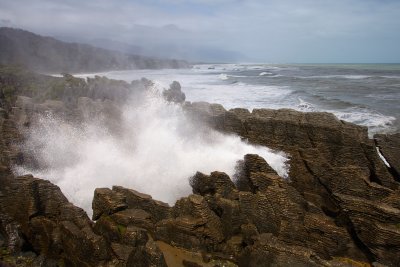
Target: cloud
[(265, 30)]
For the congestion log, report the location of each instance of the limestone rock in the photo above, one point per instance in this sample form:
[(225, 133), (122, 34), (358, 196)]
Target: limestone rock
[(174, 93), (35, 215), (107, 202), (149, 255), (340, 205), (193, 224), (157, 209), (216, 183), (332, 164)]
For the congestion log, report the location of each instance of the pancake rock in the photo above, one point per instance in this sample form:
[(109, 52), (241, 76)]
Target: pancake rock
[(340, 205)]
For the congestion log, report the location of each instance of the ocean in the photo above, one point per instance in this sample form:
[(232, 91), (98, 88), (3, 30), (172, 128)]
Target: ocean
[(364, 94)]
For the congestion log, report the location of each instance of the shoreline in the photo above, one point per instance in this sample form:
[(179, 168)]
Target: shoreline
[(300, 89), (340, 205)]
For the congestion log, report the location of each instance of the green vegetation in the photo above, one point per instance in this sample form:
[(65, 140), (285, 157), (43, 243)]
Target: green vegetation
[(121, 229), (15, 80)]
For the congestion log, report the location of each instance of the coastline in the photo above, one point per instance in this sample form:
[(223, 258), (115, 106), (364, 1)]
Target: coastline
[(340, 205), (362, 96)]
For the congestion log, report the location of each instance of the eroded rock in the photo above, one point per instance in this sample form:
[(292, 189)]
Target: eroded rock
[(36, 216), (174, 93)]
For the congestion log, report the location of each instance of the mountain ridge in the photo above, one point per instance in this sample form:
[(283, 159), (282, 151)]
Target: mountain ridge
[(48, 54)]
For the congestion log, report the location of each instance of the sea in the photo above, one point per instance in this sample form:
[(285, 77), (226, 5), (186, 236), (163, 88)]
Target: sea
[(364, 94)]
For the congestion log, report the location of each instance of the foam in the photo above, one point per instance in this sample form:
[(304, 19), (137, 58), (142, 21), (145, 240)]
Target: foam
[(239, 95), (305, 106), (382, 157), (350, 77), (375, 121), (265, 73), (223, 77)]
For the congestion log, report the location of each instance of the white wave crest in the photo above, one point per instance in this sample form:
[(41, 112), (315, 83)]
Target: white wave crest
[(375, 121), (223, 76), (305, 106), (265, 73)]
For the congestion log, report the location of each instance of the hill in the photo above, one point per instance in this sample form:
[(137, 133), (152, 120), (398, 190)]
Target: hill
[(47, 54)]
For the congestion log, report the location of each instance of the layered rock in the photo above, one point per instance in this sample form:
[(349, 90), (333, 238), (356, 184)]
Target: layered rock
[(174, 93), (126, 219), (333, 165), (35, 216), (340, 205), (264, 223), (42, 228)]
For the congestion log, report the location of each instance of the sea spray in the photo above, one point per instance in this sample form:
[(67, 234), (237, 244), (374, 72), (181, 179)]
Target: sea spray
[(363, 94), (155, 151)]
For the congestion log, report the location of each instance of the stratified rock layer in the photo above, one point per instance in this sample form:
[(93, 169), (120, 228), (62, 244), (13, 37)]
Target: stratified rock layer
[(333, 165)]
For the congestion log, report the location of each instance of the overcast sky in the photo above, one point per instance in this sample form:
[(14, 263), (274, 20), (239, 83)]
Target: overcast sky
[(274, 31)]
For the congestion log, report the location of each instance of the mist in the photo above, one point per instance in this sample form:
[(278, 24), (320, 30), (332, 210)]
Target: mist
[(155, 149)]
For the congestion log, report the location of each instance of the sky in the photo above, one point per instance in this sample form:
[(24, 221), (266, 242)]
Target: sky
[(272, 31)]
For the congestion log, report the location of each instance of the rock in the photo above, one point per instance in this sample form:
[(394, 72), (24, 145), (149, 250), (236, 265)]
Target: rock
[(54, 106), (147, 256), (193, 224), (122, 251), (251, 174), (109, 229), (3, 113), (376, 225), (137, 217), (331, 161), (174, 93), (157, 209), (339, 206), (187, 263), (216, 183), (25, 103), (135, 236), (36, 216), (107, 202), (115, 232), (272, 206), (104, 109), (82, 245)]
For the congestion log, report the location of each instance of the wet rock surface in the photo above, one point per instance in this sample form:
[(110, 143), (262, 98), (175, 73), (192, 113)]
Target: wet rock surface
[(334, 167), (340, 205)]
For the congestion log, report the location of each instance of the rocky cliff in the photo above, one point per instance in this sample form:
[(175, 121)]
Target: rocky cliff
[(340, 206)]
